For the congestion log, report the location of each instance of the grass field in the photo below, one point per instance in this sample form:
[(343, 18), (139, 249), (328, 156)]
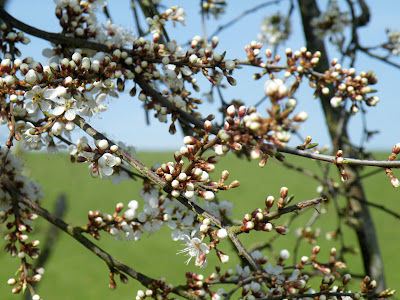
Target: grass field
[(72, 272)]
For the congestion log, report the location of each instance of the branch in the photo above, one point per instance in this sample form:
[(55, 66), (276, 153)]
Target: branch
[(346, 161), (76, 233), (51, 238), (243, 14), (298, 206), (79, 121)]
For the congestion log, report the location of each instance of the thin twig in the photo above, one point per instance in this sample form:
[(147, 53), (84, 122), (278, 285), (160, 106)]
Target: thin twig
[(346, 161), (243, 14)]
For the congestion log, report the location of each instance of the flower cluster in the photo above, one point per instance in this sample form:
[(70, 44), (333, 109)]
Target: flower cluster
[(9, 40), (259, 219), (247, 130), (274, 281), (158, 210), (393, 44), (393, 179), (349, 85), (79, 20), (275, 29), (331, 22), (194, 177)]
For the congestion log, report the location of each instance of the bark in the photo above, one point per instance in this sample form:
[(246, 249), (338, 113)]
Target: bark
[(336, 120)]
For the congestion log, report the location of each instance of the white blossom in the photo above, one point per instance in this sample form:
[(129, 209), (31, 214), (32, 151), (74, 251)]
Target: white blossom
[(195, 248), (106, 163), (275, 29)]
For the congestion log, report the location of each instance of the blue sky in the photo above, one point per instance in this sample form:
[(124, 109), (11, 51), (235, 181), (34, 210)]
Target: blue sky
[(124, 121)]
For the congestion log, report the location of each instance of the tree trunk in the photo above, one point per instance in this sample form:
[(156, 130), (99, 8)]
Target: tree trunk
[(337, 125)]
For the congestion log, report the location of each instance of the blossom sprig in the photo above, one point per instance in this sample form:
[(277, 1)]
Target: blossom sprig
[(346, 83), (253, 285), (159, 287), (247, 130), (102, 158), (213, 7), (393, 179), (275, 29), (332, 23), (194, 177), (393, 43), (349, 85), (9, 40), (339, 164), (158, 210), (259, 219), (18, 219), (277, 281)]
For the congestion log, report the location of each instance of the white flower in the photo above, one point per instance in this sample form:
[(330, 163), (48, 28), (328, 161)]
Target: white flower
[(195, 248), (80, 144), (130, 214), (242, 272), (331, 22), (275, 29), (106, 162), (172, 80), (284, 254), (275, 88), (38, 96), (277, 271)]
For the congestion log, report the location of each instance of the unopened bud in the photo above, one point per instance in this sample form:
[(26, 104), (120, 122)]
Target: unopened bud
[(234, 184), (207, 125), (346, 279), (395, 182), (283, 192), (282, 230), (208, 195), (189, 140), (222, 233), (249, 225), (301, 117), (269, 201)]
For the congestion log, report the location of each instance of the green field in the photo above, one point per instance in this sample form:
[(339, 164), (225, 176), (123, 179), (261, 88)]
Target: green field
[(72, 272)]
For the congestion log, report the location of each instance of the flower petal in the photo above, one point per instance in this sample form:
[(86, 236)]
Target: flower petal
[(45, 106), (59, 110), (31, 107)]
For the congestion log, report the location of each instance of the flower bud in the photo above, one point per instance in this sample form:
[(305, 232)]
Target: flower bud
[(346, 278), (301, 117), (283, 192), (249, 225), (189, 140), (268, 227), (207, 195), (222, 233), (102, 144), (282, 230), (207, 125), (234, 184)]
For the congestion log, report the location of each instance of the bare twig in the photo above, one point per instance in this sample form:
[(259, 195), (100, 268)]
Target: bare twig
[(242, 15), (346, 161)]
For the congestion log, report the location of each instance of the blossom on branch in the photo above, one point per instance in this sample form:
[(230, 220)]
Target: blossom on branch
[(195, 248)]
